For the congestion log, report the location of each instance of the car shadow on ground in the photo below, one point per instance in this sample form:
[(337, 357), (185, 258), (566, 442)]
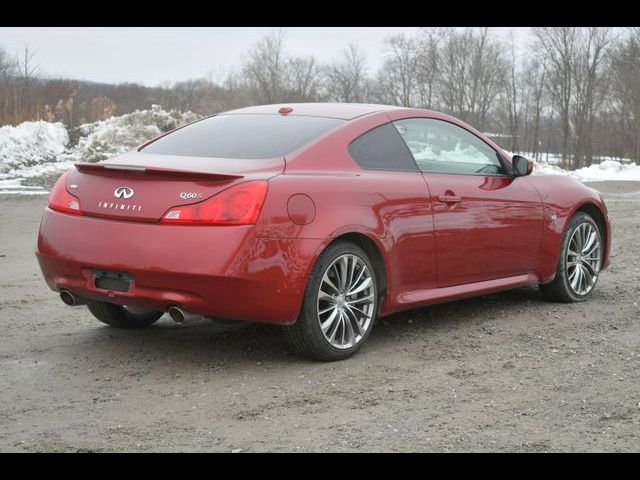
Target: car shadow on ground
[(209, 342)]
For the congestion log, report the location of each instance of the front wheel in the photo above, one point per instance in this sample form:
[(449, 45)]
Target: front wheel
[(122, 317), (579, 262), (339, 306)]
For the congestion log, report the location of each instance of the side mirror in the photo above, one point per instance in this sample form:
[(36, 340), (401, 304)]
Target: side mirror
[(522, 166)]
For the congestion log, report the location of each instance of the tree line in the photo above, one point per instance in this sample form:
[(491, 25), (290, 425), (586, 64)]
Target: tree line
[(573, 91)]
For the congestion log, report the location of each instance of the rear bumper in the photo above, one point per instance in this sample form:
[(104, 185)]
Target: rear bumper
[(214, 271)]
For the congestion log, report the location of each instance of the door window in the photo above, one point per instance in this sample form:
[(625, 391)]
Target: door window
[(442, 147)]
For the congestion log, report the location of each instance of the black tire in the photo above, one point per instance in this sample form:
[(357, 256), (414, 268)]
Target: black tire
[(119, 317), (305, 337), (559, 290)]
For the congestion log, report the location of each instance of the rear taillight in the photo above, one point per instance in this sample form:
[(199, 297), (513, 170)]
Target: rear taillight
[(61, 200), (238, 205)]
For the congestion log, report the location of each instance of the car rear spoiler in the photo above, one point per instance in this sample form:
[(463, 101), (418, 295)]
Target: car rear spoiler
[(157, 171)]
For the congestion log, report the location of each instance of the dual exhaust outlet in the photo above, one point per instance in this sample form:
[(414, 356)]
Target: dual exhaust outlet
[(177, 314)]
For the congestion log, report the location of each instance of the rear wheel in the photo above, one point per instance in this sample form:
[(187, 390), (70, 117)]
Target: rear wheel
[(122, 317), (579, 262), (339, 306)]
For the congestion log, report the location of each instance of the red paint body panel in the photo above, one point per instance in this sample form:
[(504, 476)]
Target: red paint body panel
[(503, 233), (493, 232)]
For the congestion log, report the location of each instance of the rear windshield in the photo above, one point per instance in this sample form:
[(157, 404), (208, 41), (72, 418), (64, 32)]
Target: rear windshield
[(243, 136)]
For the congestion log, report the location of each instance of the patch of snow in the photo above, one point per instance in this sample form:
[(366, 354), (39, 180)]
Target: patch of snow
[(30, 144), (42, 149), (607, 170)]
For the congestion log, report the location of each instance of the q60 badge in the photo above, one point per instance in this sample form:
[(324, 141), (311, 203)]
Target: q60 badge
[(190, 195)]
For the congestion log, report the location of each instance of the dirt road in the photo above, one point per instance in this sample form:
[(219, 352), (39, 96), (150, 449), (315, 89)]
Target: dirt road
[(504, 372)]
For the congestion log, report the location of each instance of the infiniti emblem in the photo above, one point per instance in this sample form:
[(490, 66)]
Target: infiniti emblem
[(123, 192)]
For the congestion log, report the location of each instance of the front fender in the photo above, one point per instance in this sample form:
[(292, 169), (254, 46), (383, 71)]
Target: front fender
[(562, 196)]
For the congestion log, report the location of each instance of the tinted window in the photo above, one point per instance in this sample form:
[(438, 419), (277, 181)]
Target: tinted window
[(382, 149), (442, 147), (243, 136)]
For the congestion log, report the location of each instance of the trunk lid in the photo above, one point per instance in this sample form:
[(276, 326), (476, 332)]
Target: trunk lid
[(142, 187)]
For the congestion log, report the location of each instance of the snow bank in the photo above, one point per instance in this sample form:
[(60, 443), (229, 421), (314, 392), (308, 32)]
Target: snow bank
[(606, 170), (42, 150), (29, 144)]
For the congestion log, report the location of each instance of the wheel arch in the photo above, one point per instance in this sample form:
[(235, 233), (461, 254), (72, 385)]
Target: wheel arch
[(595, 212)]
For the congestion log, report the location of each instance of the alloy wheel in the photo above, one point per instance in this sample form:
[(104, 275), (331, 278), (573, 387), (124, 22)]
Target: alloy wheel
[(346, 301), (583, 258)]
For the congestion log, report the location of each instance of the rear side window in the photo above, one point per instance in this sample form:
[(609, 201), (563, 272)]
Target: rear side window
[(382, 149), (243, 136)]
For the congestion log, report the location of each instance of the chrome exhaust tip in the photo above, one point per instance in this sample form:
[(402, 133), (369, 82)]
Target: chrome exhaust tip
[(180, 315), (70, 299)]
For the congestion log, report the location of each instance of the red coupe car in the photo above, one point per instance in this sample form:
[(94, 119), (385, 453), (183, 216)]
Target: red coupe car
[(317, 217)]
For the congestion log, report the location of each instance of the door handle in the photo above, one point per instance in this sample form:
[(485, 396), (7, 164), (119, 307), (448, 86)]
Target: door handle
[(449, 198)]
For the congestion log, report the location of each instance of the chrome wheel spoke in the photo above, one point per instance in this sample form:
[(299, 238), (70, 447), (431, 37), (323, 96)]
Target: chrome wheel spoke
[(590, 241), (590, 269), (366, 299), (363, 285), (346, 301), (328, 281), (322, 295), (334, 327), (576, 278), (352, 320), (344, 265), (328, 309), (326, 325), (588, 274), (362, 270), (357, 310)]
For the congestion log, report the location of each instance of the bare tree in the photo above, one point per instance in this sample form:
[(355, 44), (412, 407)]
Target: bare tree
[(534, 83), (428, 68), (397, 78), (346, 78), (590, 80), (7, 75), (303, 79), (264, 68), (473, 68), (575, 80), (557, 45), (625, 94), (513, 92), (274, 77)]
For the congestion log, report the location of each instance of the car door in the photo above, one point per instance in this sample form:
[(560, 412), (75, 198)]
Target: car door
[(402, 204), (487, 223)]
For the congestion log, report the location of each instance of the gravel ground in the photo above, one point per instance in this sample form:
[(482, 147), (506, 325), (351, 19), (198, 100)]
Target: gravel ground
[(503, 372)]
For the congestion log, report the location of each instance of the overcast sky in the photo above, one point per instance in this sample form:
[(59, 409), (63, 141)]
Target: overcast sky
[(153, 55)]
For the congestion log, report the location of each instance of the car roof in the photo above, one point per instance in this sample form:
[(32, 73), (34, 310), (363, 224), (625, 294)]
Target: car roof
[(344, 111)]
